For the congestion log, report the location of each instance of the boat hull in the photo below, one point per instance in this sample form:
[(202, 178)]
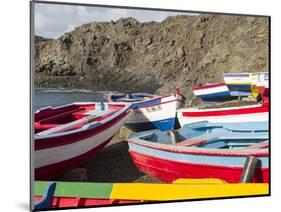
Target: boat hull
[(168, 166), (253, 113), (58, 154), (173, 170), (213, 93), (57, 169)]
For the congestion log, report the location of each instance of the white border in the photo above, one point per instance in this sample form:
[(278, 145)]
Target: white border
[(15, 103)]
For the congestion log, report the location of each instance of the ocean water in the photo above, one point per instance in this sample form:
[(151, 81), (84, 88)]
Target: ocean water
[(44, 98)]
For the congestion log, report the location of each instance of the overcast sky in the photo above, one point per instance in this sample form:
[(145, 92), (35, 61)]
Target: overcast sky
[(52, 20)]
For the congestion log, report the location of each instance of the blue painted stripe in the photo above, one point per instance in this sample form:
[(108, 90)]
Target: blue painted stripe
[(237, 75), (240, 89), (163, 125), (215, 94), (146, 103), (215, 97), (197, 159)]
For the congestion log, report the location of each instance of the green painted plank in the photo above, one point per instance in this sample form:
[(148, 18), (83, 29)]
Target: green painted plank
[(76, 189)]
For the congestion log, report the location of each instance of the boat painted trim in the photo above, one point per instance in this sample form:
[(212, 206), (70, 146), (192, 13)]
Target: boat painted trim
[(225, 111), (255, 113)]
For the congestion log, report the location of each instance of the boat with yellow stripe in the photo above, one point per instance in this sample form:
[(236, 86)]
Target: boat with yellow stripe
[(77, 194), (243, 84)]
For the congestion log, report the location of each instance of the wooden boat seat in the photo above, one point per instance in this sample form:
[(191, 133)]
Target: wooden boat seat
[(190, 142), (195, 141)]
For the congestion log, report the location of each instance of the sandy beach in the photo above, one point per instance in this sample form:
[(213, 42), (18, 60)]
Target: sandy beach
[(114, 164)]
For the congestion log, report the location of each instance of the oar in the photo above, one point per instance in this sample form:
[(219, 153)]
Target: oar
[(73, 124)]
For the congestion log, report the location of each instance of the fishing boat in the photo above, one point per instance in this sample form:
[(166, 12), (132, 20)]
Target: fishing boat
[(52, 195), (213, 93), (132, 97), (202, 150), (244, 84), (66, 136), (155, 113), (248, 113), (239, 84)]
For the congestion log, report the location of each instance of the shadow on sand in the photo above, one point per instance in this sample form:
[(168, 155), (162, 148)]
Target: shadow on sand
[(114, 164)]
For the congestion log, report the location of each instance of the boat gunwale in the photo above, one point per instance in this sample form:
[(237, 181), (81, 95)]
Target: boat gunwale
[(199, 150), (196, 109), (89, 126)]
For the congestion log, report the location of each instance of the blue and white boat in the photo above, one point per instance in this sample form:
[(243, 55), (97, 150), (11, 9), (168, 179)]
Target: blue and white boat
[(239, 84), (156, 112), (132, 97), (213, 93)]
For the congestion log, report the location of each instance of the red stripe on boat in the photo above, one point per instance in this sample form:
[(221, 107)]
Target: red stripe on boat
[(225, 112)]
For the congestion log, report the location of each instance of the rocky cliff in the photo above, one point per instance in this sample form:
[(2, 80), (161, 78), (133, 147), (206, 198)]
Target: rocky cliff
[(127, 55)]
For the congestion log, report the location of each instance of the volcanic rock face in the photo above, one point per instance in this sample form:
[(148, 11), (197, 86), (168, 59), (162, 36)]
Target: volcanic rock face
[(127, 55)]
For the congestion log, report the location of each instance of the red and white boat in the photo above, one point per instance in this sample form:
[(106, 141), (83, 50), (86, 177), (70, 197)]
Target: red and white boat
[(68, 135), (250, 113)]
